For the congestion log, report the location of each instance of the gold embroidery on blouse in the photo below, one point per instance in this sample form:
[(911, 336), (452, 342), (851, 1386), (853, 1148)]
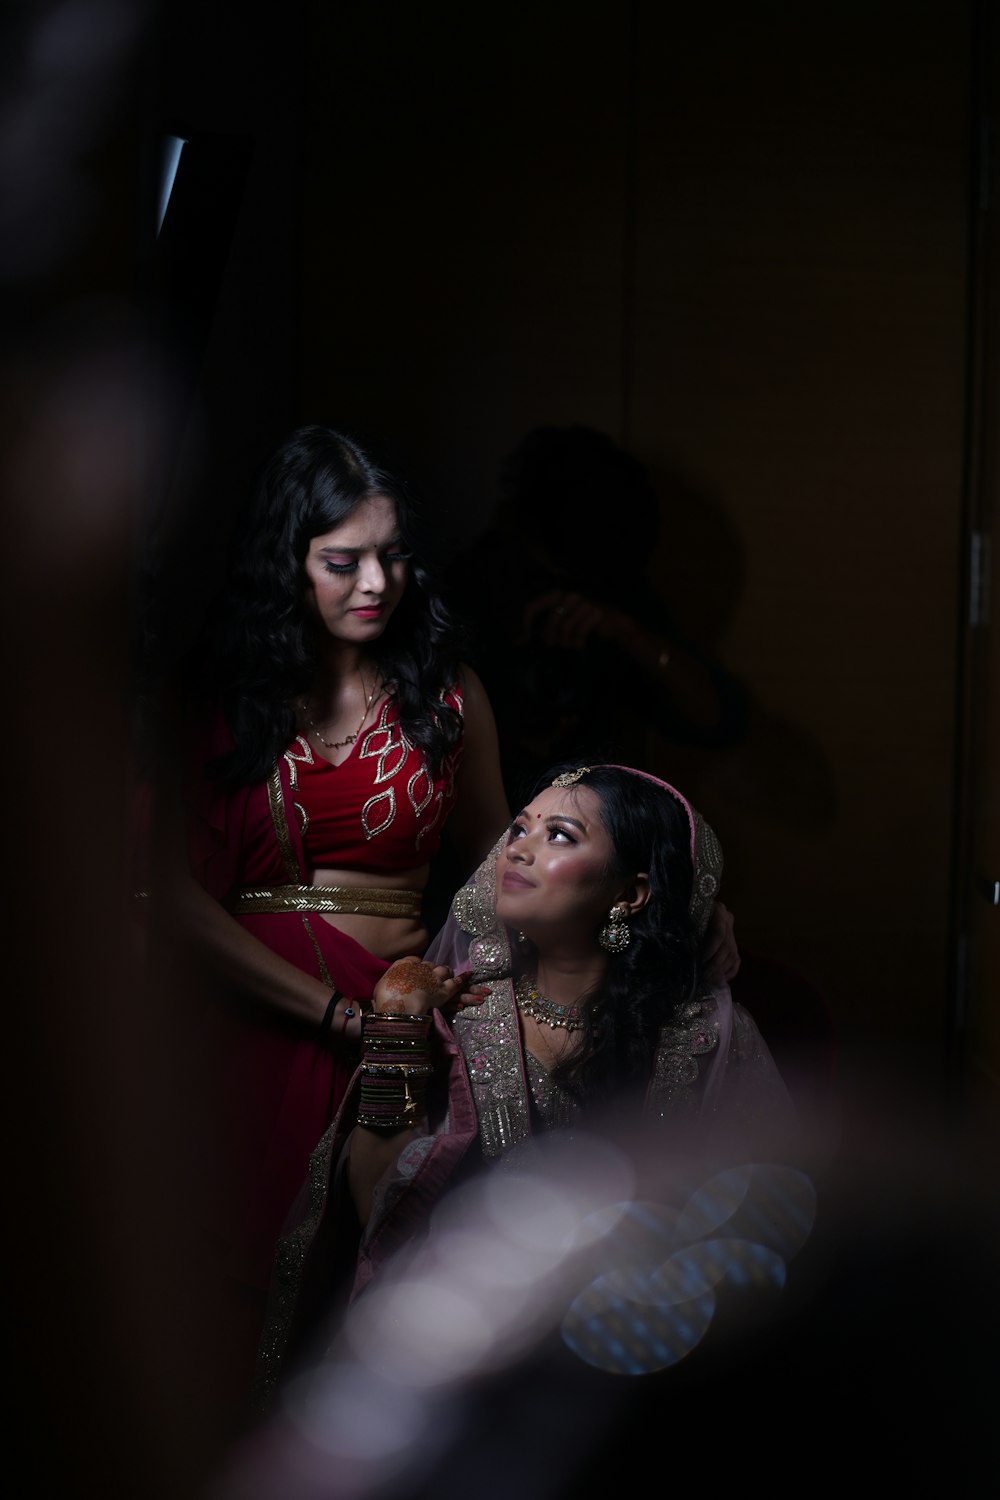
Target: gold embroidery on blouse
[(391, 753), (389, 747), (293, 761), (388, 798), (306, 758), (386, 743), (416, 802)]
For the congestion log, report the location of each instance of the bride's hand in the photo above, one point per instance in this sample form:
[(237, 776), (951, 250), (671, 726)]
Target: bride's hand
[(412, 986), (465, 994)]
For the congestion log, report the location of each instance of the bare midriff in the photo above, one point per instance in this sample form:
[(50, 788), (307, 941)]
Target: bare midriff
[(388, 937)]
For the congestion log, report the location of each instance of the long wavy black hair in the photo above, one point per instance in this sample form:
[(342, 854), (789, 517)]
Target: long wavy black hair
[(261, 651), (644, 986)]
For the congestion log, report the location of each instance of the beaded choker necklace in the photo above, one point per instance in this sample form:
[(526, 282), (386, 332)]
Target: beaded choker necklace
[(531, 1002)]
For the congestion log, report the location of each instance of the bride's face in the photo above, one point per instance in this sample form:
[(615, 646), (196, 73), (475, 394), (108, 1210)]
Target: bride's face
[(554, 875)]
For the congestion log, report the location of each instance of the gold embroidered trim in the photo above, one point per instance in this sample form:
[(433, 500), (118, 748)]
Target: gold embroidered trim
[(289, 1263), (276, 800), (352, 900), (324, 972)]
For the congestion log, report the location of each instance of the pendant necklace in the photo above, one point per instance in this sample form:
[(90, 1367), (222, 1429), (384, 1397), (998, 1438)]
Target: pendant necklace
[(339, 744), (531, 1002)]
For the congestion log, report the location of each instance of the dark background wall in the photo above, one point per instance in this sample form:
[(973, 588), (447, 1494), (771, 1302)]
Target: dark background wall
[(737, 240), (750, 243)]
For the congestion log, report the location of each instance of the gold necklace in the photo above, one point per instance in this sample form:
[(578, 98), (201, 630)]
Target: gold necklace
[(531, 1002), (339, 744)]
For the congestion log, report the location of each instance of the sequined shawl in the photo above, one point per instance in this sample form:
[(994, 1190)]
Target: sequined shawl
[(712, 1075), (711, 1063)]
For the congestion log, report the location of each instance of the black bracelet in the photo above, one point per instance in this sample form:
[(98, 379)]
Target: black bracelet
[(331, 1006)]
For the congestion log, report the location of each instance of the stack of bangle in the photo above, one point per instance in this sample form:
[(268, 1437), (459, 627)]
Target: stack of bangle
[(395, 1067)]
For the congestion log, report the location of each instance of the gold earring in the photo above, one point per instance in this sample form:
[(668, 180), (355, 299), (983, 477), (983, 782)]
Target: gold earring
[(615, 937)]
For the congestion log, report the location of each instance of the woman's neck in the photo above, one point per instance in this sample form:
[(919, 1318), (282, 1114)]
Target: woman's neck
[(565, 978), (337, 660)]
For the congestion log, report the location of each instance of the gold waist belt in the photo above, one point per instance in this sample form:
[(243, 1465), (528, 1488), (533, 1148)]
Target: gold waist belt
[(346, 900)]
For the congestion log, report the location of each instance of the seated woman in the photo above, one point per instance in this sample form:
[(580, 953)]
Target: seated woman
[(570, 967)]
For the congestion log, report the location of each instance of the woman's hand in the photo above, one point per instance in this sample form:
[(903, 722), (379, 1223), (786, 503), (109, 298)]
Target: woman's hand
[(411, 986), (720, 957), (566, 619)]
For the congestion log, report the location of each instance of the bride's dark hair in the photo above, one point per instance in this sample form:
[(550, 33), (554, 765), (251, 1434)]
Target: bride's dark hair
[(643, 986)]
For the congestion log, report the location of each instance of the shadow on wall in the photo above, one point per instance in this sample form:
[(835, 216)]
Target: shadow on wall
[(599, 597)]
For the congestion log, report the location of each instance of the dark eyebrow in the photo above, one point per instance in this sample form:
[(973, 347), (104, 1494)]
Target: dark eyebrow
[(556, 818), (393, 541)]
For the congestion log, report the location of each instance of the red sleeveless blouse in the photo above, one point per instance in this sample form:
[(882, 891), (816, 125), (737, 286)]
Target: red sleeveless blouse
[(381, 809)]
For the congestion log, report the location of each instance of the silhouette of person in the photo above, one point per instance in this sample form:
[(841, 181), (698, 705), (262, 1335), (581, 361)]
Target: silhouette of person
[(577, 648), (583, 657)]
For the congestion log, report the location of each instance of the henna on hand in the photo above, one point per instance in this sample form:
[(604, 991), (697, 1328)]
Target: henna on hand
[(403, 977)]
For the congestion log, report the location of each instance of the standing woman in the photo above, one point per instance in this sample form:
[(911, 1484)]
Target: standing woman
[(334, 736)]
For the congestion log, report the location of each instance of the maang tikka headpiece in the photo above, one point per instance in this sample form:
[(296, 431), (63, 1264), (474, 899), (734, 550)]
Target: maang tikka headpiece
[(569, 777)]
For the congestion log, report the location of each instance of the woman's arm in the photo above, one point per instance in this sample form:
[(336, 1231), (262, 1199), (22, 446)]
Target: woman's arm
[(410, 987), (240, 959), (233, 955), (700, 701), (481, 812), (370, 1155)]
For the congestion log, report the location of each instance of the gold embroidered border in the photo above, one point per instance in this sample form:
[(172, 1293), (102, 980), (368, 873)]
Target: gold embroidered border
[(367, 901), (276, 800), (290, 1258)]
